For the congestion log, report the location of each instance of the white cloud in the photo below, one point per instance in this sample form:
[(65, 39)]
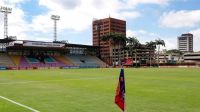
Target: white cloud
[(79, 17), (196, 39), (76, 15), (145, 36), (180, 19), (42, 23), (170, 42), (142, 35), (158, 2), (60, 4), (129, 15), (17, 25), (12, 1)]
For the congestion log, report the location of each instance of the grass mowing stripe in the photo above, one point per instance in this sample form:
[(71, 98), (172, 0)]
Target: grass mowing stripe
[(148, 90), (27, 107), (25, 82)]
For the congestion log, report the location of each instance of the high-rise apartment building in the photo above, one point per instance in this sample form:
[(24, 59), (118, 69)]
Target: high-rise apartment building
[(103, 27), (185, 42)]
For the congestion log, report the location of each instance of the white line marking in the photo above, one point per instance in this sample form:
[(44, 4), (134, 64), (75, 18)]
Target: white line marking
[(25, 82), (19, 104)]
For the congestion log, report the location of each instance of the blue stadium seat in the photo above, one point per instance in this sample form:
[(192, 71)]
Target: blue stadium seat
[(32, 60)]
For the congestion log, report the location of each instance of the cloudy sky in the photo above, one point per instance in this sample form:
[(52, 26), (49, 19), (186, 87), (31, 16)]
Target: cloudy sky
[(146, 19)]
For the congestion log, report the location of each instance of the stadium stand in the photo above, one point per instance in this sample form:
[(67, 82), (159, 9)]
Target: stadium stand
[(23, 62), (6, 61), (48, 59), (63, 59), (24, 54), (86, 61), (97, 61), (32, 59), (27, 61), (16, 59)]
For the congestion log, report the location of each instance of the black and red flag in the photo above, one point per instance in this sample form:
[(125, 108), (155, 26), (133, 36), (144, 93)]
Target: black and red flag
[(120, 92)]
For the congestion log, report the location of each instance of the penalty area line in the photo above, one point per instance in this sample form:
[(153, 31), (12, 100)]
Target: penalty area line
[(19, 104)]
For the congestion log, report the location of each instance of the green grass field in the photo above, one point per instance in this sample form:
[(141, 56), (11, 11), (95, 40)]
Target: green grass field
[(93, 90)]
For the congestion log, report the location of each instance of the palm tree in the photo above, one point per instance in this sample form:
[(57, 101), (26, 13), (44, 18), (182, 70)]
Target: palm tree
[(159, 43), (118, 40), (133, 43), (152, 46), (176, 51)]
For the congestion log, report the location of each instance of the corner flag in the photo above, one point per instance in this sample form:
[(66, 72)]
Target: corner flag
[(120, 92)]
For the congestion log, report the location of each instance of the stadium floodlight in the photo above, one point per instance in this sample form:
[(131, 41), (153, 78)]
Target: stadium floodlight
[(55, 18), (6, 11)]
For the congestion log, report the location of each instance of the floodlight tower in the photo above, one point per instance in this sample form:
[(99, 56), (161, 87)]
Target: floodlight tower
[(55, 18), (6, 11)]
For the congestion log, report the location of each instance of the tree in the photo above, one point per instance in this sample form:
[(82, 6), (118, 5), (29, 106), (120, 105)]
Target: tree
[(152, 46), (117, 39), (133, 44), (159, 43), (175, 51)]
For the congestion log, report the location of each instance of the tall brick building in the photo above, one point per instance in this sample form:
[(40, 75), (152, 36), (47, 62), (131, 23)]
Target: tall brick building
[(185, 42), (103, 27)]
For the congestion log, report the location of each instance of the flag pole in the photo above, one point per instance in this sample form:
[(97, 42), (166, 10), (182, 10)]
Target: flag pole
[(122, 67), (120, 91), (125, 110)]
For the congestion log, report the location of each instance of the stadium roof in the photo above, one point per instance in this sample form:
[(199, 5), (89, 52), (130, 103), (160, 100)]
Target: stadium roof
[(66, 44), (19, 47), (7, 40), (80, 45)]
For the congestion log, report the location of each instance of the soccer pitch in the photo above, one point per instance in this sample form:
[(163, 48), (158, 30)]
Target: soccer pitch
[(93, 90)]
